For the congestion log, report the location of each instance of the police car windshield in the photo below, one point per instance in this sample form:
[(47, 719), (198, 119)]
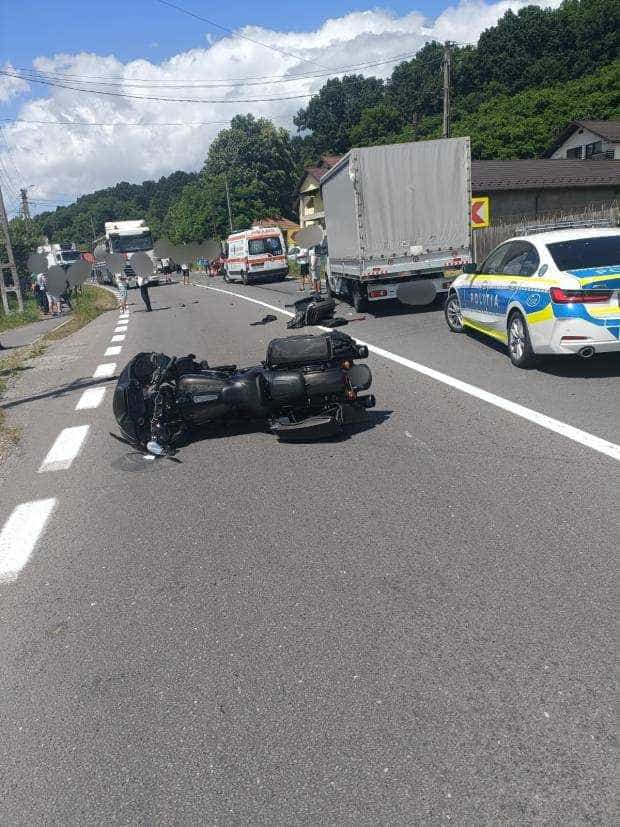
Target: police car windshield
[(581, 253)]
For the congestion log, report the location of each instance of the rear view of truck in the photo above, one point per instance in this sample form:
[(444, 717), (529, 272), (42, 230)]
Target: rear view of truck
[(398, 221)]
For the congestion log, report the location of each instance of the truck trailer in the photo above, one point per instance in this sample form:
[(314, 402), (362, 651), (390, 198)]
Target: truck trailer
[(398, 221)]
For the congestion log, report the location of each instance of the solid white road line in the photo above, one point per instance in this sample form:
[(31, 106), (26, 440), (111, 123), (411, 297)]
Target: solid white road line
[(91, 398), (603, 446), (105, 371), (20, 534), (113, 351), (119, 338), (65, 449)]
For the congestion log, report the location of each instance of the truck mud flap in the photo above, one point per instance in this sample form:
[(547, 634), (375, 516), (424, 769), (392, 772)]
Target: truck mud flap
[(417, 292)]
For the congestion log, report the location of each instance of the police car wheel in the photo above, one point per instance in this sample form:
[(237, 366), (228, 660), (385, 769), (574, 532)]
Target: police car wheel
[(452, 312), (519, 345)]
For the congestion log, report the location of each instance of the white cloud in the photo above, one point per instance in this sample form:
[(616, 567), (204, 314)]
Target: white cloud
[(11, 86), (72, 160)]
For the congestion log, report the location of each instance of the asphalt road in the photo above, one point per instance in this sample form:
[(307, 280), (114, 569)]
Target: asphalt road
[(414, 625)]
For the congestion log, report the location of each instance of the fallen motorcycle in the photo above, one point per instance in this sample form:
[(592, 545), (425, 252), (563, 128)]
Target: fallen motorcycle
[(308, 388)]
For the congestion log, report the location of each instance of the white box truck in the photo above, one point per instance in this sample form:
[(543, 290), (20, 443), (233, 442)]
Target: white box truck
[(398, 221), (62, 254), (126, 237)]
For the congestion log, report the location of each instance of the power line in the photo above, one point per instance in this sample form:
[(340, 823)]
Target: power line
[(153, 97), (241, 36), (112, 80), (115, 123)]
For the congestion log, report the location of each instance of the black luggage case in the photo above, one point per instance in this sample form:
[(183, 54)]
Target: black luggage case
[(296, 351)]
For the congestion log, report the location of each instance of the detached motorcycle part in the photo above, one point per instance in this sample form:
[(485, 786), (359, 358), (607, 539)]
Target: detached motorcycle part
[(314, 427), (360, 377)]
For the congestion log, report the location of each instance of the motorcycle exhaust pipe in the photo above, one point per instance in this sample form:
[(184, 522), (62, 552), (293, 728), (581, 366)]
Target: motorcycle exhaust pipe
[(587, 352)]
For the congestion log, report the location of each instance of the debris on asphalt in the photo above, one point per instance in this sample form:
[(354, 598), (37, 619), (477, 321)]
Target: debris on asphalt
[(265, 320)]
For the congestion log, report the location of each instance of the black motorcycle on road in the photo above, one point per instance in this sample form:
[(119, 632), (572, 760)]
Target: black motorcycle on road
[(308, 388)]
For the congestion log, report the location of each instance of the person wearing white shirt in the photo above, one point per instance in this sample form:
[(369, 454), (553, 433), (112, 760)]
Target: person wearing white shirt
[(303, 259)]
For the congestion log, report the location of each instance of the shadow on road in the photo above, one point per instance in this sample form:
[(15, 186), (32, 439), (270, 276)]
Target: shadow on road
[(55, 393)]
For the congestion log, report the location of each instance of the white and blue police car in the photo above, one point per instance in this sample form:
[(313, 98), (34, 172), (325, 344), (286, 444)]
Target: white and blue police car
[(546, 292)]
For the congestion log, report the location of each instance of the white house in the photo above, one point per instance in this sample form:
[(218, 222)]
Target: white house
[(582, 140)]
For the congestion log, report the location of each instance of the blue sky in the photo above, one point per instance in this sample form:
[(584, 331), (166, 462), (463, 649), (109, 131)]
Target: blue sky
[(66, 142), (129, 28)]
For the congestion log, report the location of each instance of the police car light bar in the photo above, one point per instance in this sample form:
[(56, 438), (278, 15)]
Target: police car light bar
[(566, 225)]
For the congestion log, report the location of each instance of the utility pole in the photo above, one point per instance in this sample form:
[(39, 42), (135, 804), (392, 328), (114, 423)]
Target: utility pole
[(10, 265), (25, 210), (228, 202), (446, 89)]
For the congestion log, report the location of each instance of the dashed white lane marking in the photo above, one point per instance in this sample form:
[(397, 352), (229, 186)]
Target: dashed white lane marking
[(91, 398), (65, 449), (20, 534), (113, 351), (603, 446), (122, 328), (119, 338), (105, 371)]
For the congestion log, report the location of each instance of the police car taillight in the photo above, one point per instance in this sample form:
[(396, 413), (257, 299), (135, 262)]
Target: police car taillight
[(561, 296)]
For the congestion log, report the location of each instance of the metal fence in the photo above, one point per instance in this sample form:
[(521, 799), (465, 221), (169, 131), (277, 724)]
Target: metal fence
[(485, 240)]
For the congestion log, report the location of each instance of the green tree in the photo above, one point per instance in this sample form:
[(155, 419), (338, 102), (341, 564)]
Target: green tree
[(336, 109), (380, 124), (25, 238)]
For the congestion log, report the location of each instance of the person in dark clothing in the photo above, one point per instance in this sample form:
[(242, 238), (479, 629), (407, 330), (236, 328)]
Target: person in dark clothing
[(143, 284), (66, 296)]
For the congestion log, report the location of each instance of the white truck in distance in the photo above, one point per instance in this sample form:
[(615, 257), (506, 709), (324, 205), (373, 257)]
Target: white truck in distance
[(62, 254), (127, 237), (398, 221)]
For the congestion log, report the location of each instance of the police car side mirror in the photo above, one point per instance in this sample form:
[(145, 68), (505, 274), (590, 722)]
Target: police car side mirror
[(472, 267)]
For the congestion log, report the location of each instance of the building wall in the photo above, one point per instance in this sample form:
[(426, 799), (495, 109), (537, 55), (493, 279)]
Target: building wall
[(505, 203), (581, 137), (311, 208)]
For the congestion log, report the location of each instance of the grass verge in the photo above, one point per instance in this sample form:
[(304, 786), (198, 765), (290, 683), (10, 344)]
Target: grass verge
[(91, 303), (30, 314)]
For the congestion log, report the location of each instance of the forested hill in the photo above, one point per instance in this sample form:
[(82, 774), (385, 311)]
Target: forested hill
[(549, 65), (150, 200), (513, 93)]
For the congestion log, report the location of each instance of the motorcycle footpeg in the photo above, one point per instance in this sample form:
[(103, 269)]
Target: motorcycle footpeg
[(314, 427)]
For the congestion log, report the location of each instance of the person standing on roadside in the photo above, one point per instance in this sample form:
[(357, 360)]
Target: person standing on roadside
[(315, 270), (121, 284), (303, 259), (44, 304), (143, 284), (185, 274)]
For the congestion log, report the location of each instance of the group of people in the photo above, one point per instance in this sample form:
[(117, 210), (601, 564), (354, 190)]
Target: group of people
[(122, 284), (49, 304), (309, 268)]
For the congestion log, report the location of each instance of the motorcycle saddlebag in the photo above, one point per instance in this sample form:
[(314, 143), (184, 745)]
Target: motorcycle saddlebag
[(296, 351)]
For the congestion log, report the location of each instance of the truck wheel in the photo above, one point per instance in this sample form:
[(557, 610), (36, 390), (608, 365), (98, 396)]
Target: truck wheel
[(359, 299)]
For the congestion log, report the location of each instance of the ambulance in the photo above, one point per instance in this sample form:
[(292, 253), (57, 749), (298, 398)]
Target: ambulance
[(256, 254)]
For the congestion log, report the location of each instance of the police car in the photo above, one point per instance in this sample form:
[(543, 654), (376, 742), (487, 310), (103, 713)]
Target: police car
[(545, 292)]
